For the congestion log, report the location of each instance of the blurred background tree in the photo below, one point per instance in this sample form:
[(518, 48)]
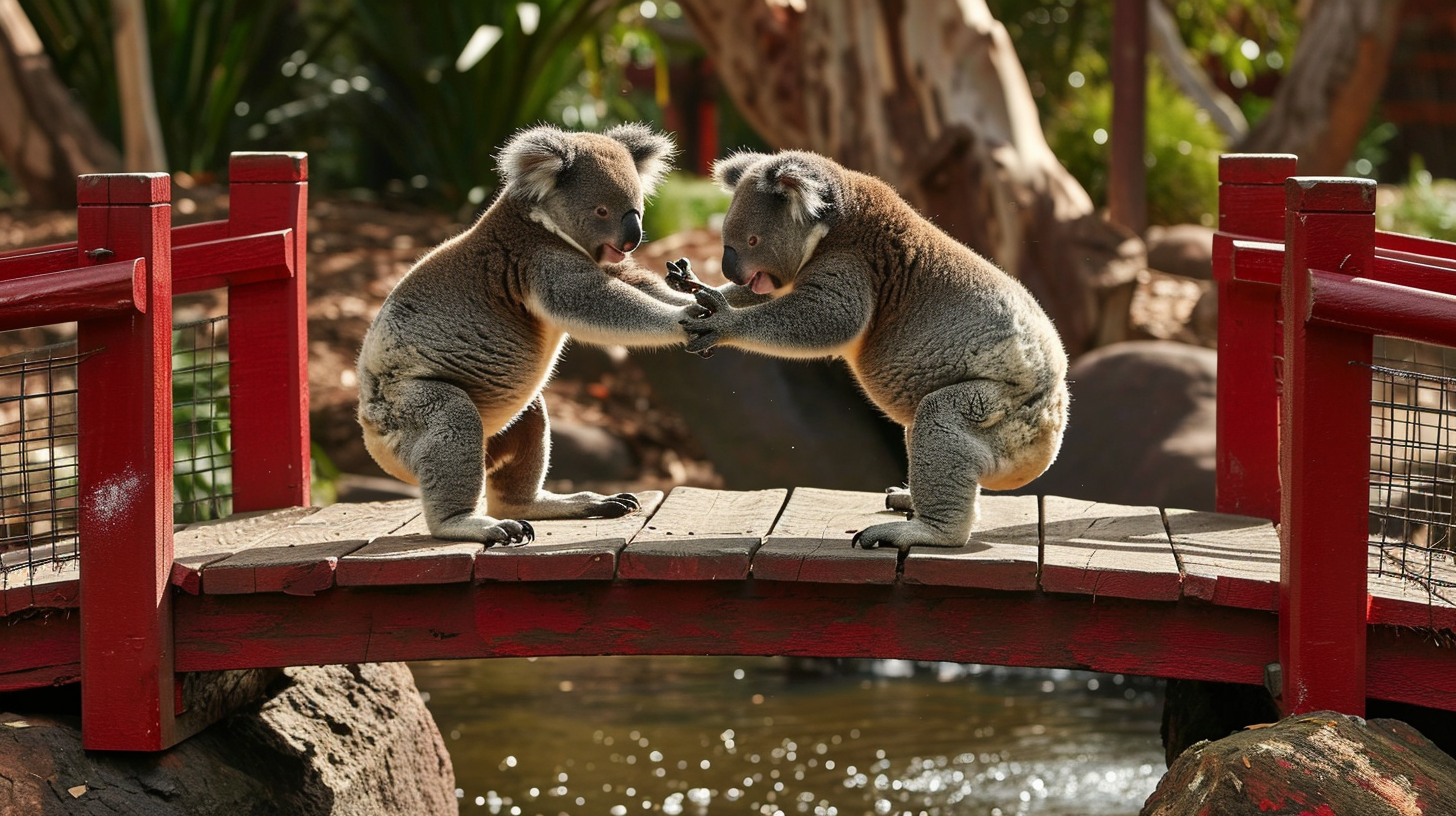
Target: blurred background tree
[(411, 101)]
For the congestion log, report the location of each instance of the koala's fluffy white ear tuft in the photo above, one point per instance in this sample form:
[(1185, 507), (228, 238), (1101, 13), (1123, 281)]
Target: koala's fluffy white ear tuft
[(805, 183), (652, 152), (533, 159), (727, 172)]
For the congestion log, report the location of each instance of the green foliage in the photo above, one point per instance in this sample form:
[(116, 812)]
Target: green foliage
[(201, 432), (207, 57), (1422, 206), (683, 202), (437, 114), (1182, 150)]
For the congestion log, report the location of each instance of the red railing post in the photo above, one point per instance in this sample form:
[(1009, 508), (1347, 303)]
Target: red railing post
[(1250, 205), (1324, 453), (268, 339), (124, 423)]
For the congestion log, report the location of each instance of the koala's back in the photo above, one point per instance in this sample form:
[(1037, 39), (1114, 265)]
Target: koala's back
[(459, 317), (943, 313)]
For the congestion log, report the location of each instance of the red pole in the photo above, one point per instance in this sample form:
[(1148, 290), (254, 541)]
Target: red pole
[(1250, 205), (268, 339), (1324, 453), (124, 422), (1127, 178)]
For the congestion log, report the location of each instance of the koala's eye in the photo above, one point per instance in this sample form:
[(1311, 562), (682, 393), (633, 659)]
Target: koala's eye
[(753, 240), (602, 212)]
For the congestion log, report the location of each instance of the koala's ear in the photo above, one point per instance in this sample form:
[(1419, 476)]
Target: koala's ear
[(727, 172), (533, 159), (807, 185), (651, 151)]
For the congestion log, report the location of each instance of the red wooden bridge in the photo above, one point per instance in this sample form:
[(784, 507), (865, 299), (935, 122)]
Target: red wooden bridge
[(1350, 598)]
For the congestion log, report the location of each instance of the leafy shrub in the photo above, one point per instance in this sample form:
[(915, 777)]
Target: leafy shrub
[(1182, 150), (1422, 206), (683, 202)]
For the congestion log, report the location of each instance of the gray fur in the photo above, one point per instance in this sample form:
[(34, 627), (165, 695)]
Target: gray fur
[(946, 344), (451, 370)]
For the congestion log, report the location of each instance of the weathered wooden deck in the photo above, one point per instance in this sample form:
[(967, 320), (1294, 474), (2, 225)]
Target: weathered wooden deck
[(1046, 581)]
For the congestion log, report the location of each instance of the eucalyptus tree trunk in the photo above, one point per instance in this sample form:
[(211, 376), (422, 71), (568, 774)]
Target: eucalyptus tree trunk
[(46, 139), (1339, 68), (929, 96), (141, 126)]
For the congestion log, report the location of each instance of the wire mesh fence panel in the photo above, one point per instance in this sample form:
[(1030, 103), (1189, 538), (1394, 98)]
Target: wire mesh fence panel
[(201, 421), (1413, 461), (38, 458)]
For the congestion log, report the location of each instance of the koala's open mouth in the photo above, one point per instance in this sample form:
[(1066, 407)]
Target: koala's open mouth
[(762, 283), (610, 254)]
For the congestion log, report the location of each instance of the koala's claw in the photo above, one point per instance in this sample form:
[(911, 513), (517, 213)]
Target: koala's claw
[(618, 505), (680, 277), (512, 533)]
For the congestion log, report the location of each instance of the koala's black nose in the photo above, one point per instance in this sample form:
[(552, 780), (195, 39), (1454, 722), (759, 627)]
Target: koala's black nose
[(631, 230), (730, 264)]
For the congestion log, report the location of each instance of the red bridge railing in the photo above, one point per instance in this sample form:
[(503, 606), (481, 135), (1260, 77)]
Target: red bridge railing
[(117, 281), (1305, 284)]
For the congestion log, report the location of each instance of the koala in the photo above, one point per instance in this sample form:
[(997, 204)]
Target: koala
[(827, 262), (452, 368)]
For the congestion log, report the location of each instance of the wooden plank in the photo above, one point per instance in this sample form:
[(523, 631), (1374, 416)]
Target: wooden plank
[(50, 585), (1003, 552), (207, 542), (811, 540), (301, 558), (568, 549), (1106, 550), (1227, 560), (408, 556), (1415, 594), (702, 535)]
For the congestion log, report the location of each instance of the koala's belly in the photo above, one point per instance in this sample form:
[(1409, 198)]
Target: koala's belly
[(500, 371)]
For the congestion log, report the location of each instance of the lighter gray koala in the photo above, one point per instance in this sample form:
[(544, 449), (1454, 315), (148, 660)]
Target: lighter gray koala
[(451, 370), (825, 261)]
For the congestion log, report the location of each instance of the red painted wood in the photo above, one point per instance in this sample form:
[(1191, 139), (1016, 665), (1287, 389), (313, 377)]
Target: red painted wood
[(1250, 205), (1398, 242), (1416, 271), (1410, 667), (124, 443), (199, 233), (268, 339), (519, 619), (232, 262), (43, 248), (1375, 307), (26, 264), (1324, 456), (1257, 261), (74, 294)]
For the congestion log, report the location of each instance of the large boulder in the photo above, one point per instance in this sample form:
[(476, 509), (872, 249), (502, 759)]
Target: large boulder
[(1141, 429), (327, 741), (1317, 763)]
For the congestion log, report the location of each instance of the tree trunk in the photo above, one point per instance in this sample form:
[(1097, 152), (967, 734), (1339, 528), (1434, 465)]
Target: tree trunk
[(1322, 104), (929, 96), (141, 127), (46, 139)]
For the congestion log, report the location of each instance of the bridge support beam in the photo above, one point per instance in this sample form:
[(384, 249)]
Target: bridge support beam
[(1330, 227)]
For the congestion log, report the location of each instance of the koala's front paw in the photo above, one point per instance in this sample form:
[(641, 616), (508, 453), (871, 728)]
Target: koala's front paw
[(486, 530), (898, 499), (706, 321), (614, 506), (680, 277)]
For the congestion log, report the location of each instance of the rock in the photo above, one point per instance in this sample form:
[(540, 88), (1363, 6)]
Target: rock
[(1181, 249), (766, 422), (586, 453), (1318, 763), (1171, 307), (330, 741), (1141, 429)]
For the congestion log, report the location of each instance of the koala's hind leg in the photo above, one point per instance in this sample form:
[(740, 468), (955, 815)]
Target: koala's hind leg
[(516, 470), (438, 437), (949, 451)]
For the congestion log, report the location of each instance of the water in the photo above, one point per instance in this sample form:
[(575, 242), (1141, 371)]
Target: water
[(733, 735)]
